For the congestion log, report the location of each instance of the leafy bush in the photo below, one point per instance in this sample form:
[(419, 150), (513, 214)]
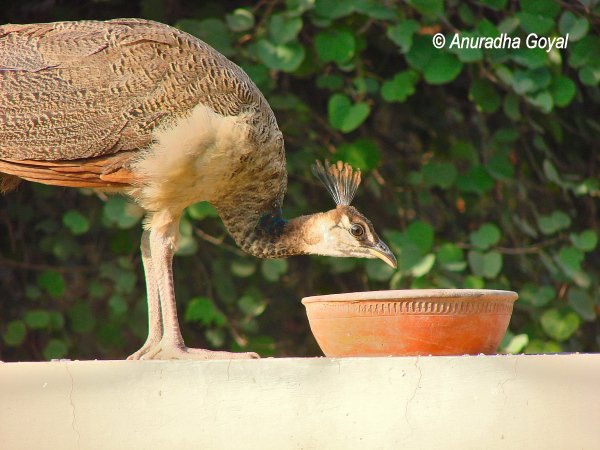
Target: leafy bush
[(481, 171)]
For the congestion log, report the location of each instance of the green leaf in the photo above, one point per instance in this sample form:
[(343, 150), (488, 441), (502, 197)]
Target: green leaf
[(366, 85), (212, 31), (286, 57), (76, 222), (486, 236), (535, 23), (118, 305), (376, 9), (299, 6), (500, 167), (545, 9), (584, 52), (81, 317), (576, 27), (55, 349), (483, 93), (329, 81), (560, 324), (335, 45), (585, 241), (451, 258), (424, 266), (363, 153), (284, 27), (543, 101), (202, 210), (590, 76), (223, 282), (430, 8), (202, 310), (473, 282), (477, 180), (421, 234), (52, 282), (440, 174), (537, 346), (563, 90), (122, 213), (582, 303), (402, 34), (551, 172), (421, 52), (333, 9), (399, 88), (465, 151), (241, 19), (517, 344), (570, 259), (438, 66), (15, 333), (37, 319), (344, 115), (243, 267), (530, 57), (486, 265), (251, 306), (215, 336), (379, 271), (537, 296), (442, 68), (554, 222), (465, 53), (511, 107), (272, 269)]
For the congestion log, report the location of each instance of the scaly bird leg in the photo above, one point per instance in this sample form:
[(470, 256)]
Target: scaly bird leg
[(171, 345), (155, 325)]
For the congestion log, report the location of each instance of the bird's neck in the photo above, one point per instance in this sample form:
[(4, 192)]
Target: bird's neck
[(270, 236)]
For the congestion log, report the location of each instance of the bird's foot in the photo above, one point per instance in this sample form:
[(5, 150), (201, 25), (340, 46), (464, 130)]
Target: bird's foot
[(145, 349), (163, 351)]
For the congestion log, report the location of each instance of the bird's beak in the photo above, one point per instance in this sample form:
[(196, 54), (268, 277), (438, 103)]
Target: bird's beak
[(382, 251)]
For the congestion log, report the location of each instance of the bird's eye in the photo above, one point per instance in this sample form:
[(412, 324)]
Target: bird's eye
[(357, 230)]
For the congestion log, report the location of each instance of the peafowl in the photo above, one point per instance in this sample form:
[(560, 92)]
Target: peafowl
[(144, 109)]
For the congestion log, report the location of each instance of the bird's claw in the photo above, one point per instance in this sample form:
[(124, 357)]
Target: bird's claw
[(164, 351)]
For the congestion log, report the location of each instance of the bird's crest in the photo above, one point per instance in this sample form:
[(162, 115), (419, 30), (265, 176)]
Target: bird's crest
[(339, 179)]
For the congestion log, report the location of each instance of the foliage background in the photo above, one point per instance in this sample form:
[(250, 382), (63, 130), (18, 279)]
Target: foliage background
[(480, 169)]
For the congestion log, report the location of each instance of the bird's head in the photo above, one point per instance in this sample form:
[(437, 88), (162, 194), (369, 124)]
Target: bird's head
[(344, 231)]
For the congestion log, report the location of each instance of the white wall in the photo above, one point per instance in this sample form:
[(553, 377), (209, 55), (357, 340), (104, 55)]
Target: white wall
[(469, 402)]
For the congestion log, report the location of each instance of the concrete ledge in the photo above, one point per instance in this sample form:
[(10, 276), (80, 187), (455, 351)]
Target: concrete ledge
[(509, 402)]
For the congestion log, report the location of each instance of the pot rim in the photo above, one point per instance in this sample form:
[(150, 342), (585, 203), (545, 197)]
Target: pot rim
[(412, 294)]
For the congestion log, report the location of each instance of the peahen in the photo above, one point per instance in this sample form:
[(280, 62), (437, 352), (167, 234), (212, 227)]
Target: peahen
[(147, 110)]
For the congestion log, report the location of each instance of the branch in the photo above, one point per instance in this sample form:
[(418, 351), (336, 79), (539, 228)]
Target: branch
[(218, 242)]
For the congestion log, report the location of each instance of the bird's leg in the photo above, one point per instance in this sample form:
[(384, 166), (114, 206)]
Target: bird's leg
[(171, 345), (155, 326)]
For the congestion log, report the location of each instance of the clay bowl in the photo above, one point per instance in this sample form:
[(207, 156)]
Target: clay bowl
[(410, 322)]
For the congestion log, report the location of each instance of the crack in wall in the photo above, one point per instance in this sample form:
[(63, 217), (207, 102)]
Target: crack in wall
[(513, 378), (414, 394), (73, 426)]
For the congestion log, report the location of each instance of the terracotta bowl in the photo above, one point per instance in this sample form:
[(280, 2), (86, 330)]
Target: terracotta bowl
[(410, 322)]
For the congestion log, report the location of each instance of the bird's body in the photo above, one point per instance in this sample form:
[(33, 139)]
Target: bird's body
[(142, 108)]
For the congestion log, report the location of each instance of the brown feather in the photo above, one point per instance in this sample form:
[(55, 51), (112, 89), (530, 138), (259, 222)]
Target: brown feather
[(72, 90), (93, 172)]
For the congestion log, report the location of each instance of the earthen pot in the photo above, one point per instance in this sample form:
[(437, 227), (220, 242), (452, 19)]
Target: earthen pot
[(410, 322)]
